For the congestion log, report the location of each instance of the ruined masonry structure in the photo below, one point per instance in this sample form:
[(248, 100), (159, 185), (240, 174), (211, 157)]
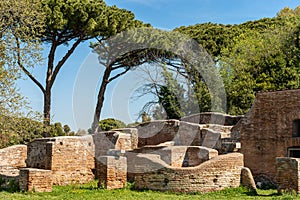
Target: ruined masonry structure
[(167, 155), (271, 129)]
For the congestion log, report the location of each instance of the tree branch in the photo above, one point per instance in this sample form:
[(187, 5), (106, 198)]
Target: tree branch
[(24, 69), (120, 74)]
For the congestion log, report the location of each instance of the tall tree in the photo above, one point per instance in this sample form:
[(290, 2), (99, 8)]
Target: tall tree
[(20, 21), (70, 23)]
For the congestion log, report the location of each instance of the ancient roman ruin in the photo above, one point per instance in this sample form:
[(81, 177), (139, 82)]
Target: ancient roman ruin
[(200, 153)]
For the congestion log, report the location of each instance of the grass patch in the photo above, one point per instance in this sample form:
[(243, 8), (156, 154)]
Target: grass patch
[(91, 191)]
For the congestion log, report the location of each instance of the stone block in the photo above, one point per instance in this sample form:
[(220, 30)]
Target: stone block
[(247, 179)]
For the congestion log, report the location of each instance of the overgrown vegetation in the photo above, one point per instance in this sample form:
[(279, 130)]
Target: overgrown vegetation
[(91, 191)]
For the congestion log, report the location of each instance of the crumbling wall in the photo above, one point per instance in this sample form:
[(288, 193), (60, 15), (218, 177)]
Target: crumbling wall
[(112, 171), (287, 174), (157, 132), (220, 172), (212, 118), (182, 134), (11, 159), (266, 132), (13, 156)]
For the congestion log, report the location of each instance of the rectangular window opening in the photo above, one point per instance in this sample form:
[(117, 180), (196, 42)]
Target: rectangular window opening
[(296, 128), (294, 152)]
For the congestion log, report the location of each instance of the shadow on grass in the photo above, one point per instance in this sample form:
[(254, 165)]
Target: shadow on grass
[(256, 194)]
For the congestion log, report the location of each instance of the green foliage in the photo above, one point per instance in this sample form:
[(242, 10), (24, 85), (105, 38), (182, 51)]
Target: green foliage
[(255, 56), (110, 123), (260, 62), (21, 130), (170, 95)]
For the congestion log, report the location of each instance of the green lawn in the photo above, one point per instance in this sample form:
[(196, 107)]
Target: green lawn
[(90, 191)]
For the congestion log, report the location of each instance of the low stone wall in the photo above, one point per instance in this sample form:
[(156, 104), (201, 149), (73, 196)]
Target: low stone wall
[(212, 118), (220, 172), (13, 156), (69, 158), (287, 175), (36, 180)]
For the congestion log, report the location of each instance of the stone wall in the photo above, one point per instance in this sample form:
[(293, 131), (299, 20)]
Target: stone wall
[(181, 133), (13, 156), (287, 174), (220, 172), (212, 118), (267, 130), (8, 175)]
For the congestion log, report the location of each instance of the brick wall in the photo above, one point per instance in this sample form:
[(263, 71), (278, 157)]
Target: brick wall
[(112, 171), (69, 160), (13, 156), (72, 159), (11, 159), (287, 174), (37, 180), (220, 172), (266, 132)]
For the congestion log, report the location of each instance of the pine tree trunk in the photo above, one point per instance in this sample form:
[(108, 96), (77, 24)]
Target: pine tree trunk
[(100, 99)]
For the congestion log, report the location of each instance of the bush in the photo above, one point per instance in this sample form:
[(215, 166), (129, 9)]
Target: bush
[(110, 123)]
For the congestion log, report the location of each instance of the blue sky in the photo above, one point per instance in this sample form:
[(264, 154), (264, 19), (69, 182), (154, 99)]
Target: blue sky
[(73, 94)]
